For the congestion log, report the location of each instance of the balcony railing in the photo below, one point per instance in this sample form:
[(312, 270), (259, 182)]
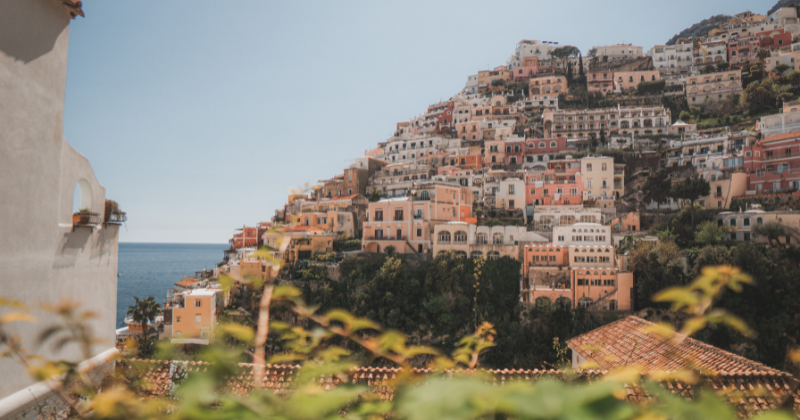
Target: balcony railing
[(117, 218), (86, 219)]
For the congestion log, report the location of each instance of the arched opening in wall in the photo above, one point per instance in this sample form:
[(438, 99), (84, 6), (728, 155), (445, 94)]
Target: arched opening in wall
[(81, 197)]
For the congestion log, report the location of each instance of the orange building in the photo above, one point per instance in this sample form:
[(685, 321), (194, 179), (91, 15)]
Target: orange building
[(194, 314), (627, 223)]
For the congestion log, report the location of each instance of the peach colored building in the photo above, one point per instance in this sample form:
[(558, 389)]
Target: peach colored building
[(600, 81), (548, 84), (599, 289), (626, 81), (406, 223), (486, 77), (630, 222), (544, 255)]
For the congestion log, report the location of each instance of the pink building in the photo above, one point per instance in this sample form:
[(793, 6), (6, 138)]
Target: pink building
[(554, 187), (544, 150), (529, 69), (773, 163), (406, 223)]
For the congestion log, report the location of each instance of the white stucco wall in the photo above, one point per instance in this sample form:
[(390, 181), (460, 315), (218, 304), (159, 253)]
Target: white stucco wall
[(43, 259)]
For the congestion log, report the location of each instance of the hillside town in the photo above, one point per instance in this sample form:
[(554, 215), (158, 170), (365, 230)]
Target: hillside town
[(544, 159), (617, 227)]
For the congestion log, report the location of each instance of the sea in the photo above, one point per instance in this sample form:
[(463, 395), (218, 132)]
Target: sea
[(149, 269)]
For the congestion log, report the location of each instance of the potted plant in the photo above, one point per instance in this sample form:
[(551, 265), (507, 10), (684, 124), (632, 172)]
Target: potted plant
[(83, 217)]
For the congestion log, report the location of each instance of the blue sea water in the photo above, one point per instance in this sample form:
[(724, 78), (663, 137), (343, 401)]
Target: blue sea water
[(150, 269)]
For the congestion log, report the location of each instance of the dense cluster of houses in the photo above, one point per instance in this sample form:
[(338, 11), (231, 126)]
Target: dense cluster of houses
[(500, 169)]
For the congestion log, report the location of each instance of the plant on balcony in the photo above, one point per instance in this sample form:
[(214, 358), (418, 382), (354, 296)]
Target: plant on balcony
[(81, 217)]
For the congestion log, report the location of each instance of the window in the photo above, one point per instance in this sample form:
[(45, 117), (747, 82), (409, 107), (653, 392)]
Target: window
[(419, 233), (746, 222), (497, 239), (178, 319), (378, 215), (589, 168), (511, 189), (197, 318), (197, 303), (398, 215)]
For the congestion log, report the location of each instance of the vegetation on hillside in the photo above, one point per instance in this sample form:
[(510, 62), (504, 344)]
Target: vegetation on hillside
[(783, 3), (700, 29)]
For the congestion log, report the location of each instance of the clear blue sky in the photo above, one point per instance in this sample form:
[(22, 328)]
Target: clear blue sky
[(199, 116)]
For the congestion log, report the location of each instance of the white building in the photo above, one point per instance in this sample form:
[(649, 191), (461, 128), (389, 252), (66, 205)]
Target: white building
[(530, 48), (672, 56), (582, 234), (47, 255), (787, 122)]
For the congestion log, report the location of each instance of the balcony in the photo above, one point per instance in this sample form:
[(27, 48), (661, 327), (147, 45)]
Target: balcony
[(117, 218), (86, 219)]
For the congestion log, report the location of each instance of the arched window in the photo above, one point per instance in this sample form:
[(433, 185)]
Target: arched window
[(481, 239), (497, 239), (444, 237), (564, 303), (460, 237), (759, 221), (585, 302), (461, 254), (476, 254), (531, 146), (494, 255), (542, 145), (733, 222), (612, 305), (553, 144)]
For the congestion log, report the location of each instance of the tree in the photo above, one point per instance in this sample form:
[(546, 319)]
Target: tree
[(563, 54), (781, 68), (685, 116), (592, 140), (709, 68), (376, 195), (762, 54), (710, 233), (691, 189), (773, 231), (757, 97), (656, 189), (603, 140), (723, 65), (142, 312), (711, 255)]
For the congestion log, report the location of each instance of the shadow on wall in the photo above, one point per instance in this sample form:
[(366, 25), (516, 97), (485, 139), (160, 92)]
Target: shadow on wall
[(71, 245), (104, 247), (24, 35)]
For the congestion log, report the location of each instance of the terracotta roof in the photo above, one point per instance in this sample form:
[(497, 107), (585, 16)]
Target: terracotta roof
[(75, 7), (780, 137), (627, 342), (749, 394), (187, 282)]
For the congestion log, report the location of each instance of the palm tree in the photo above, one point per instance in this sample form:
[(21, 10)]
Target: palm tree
[(142, 312)]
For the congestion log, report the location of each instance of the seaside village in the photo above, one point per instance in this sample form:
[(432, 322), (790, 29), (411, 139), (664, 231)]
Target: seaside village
[(494, 171)]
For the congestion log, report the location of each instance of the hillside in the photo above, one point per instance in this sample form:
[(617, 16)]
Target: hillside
[(701, 28), (783, 3)]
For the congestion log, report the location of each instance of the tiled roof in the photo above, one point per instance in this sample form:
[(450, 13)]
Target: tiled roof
[(749, 394), (627, 342), (781, 137), (187, 282)]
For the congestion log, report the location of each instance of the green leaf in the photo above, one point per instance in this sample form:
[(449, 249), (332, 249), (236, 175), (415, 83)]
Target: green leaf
[(238, 331)]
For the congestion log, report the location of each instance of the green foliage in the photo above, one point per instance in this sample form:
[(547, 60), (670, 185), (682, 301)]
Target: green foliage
[(723, 66), (700, 29), (498, 82), (710, 233), (142, 312), (763, 96), (344, 245), (772, 231), (376, 196), (651, 88)]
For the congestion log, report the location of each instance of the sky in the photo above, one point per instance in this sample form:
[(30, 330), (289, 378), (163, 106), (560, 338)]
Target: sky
[(199, 116)]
